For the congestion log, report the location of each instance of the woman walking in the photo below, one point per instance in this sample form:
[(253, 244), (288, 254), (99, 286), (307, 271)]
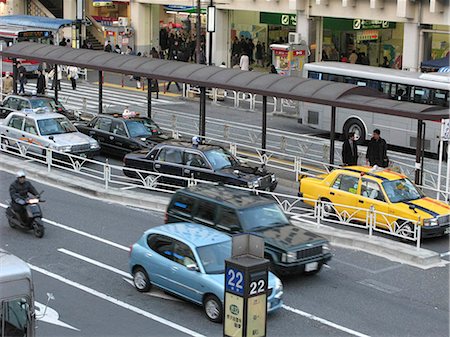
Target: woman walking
[(72, 72)]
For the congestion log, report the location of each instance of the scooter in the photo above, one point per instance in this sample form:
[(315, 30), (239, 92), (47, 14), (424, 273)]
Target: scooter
[(33, 219)]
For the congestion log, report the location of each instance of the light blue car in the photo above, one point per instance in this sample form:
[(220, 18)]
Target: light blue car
[(188, 260)]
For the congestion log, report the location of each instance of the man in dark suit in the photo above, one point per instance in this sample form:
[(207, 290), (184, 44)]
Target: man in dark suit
[(377, 150), (350, 151)]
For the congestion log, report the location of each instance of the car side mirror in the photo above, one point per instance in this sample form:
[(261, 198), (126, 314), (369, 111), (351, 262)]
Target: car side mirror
[(193, 267), (51, 138)]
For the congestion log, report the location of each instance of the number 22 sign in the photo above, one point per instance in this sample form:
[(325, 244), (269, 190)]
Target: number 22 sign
[(234, 280)]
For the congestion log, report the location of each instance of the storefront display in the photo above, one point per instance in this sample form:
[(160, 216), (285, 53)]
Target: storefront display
[(289, 59)]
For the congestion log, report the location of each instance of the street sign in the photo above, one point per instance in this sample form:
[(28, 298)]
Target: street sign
[(246, 280)]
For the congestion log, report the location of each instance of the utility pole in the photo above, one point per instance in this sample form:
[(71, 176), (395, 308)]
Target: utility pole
[(198, 31)]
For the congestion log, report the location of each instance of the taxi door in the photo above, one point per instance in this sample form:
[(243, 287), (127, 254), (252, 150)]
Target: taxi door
[(371, 194), (343, 193), (31, 136)]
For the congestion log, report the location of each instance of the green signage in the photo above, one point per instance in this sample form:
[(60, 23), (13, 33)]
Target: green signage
[(343, 25), (278, 19), (372, 24)]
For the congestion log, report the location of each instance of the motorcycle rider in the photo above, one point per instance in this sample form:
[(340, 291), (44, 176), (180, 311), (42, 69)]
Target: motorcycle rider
[(19, 191)]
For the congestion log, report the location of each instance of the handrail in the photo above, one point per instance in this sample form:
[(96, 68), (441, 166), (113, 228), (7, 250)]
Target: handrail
[(96, 29)]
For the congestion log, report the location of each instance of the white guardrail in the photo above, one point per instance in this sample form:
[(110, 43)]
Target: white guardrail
[(112, 177), (291, 152)]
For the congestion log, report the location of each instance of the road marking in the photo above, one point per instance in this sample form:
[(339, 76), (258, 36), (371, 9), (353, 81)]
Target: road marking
[(155, 292), (379, 286), (51, 316), (395, 266), (117, 302), (94, 262), (324, 321)]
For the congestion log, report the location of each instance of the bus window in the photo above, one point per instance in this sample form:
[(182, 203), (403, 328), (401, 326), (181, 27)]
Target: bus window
[(349, 80), (421, 95), (439, 97), (361, 83), (385, 87), (400, 92), (374, 85), (15, 317), (315, 75)]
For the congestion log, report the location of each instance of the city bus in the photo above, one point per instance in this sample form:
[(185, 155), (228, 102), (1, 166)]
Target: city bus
[(11, 34), (399, 85), (17, 313)]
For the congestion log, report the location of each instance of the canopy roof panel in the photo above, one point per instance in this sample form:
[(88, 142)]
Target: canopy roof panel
[(35, 21), (295, 88)]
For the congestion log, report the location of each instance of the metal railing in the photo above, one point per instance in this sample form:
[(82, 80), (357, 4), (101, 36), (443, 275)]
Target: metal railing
[(124, 178)]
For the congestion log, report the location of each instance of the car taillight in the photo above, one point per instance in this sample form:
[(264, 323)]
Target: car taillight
[(131, 249), (59, 109), (166, 217)]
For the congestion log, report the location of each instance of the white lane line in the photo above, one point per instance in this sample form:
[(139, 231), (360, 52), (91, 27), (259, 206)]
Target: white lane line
[(91, 236), (445, 254), (77, 231), (117, 302), (324, 321), (94, 262)]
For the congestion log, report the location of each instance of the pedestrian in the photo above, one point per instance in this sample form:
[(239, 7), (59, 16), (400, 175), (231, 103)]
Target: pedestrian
[(377, 150), (108, 47), (117, 49), (350, 151), (69, 44), (344, 58), (63, 42), (273, 70), (244, 62), (40, 84), (51, 74), (353, 58), (72, 75), (84, 45), (89, 45), (259, 54), (22, 81), (385, 62), (154, 53), (8, 84)]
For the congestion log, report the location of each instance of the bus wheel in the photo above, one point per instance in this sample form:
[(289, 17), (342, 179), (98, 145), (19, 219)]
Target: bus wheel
[(356, 126)]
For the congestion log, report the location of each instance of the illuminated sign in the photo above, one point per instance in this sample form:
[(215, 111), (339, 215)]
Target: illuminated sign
[(234, 315), (101, 3), (256, 316)]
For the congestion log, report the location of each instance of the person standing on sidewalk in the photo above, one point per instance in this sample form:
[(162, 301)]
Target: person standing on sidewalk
[(350, 151), (8, 84), (377, 150), (22, 81), (72, 72), (244, 62), (40, 84)]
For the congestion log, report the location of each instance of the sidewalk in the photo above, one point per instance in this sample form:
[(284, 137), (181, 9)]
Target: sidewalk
[(390, 249)]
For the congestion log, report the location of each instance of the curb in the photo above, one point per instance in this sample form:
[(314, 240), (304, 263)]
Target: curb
[(387, 248)]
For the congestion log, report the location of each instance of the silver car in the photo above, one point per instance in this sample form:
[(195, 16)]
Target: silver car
[(46, 129)]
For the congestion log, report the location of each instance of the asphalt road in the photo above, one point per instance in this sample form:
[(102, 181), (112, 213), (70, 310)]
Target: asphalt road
[(358, 295)]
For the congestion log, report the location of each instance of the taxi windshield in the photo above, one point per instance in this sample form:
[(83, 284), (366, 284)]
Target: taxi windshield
[(51, 104), (213, 256), (401, 190), (55, 126), (137, 129), (220, 159)]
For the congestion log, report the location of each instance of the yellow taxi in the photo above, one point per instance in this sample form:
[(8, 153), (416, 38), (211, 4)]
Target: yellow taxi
[(360, 187)]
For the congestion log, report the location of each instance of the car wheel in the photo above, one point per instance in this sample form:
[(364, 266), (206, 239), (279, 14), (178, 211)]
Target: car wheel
[(4, 144), (405, 229), (213, 308), (328, 208), (357, 127), (141, 280)]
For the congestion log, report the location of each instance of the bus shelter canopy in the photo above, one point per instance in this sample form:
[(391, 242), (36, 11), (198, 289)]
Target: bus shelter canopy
[(307, 90), (41, 22)]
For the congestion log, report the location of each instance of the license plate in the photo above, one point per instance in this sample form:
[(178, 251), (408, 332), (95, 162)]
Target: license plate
[(311, 266), (447, 230), (83, 155)]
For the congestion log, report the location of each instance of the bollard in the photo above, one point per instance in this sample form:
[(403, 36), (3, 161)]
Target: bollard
[(283, 143), (48, 157), (319, 212), (106, 173), (371, 219), (226, 131)]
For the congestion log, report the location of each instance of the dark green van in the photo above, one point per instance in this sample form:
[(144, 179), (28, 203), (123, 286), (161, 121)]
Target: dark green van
[(289, 248)]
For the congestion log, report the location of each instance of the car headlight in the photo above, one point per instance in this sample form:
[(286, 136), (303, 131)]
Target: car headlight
[(325, 248), (273, 177), (253, 184), (65, 148), (289, 257), (430, 222), (94, 145)]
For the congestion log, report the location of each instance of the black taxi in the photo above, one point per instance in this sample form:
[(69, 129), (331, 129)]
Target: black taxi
[(119, 134), (203, 161)]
